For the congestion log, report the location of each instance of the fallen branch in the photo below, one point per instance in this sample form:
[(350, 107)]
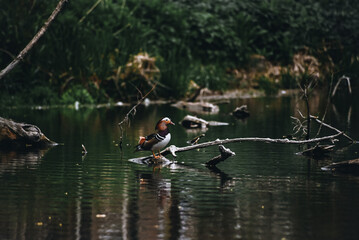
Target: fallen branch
[(174, 149), (33, 40)]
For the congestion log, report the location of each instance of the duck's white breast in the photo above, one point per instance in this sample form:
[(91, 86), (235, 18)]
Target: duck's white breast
[(162, 144)]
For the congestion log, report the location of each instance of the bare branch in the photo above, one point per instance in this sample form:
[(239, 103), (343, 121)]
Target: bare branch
[(330, 127), (299, 126), (34, 40), (338, 83), (133, 109)]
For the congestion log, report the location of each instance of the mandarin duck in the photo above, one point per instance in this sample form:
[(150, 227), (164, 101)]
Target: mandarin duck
[(156, 141)]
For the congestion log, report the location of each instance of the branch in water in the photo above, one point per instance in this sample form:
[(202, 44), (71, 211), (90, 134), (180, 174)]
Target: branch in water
[(225, 153), (174, 149)]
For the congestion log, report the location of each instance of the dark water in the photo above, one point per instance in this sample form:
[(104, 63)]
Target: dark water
[(266, 191)]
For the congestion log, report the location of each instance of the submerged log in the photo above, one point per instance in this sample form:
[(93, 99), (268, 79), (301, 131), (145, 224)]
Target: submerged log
[(190, 122), (13, 134), (225, 153), (350, 166), (193, 122), (318, 151), (241, 112)]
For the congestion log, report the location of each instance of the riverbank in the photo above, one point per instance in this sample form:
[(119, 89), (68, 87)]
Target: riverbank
[(111, 51)]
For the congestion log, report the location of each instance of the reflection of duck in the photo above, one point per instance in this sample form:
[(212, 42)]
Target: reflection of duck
[(156, 141)]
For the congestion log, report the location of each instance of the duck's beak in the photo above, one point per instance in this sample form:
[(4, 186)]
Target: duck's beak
[(172, 123)]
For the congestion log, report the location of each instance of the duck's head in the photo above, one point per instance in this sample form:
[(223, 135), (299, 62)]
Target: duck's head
[(162, 124)]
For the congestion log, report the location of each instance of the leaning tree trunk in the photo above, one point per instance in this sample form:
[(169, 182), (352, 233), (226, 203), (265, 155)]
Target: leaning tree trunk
[(33, 41), (13, 134)]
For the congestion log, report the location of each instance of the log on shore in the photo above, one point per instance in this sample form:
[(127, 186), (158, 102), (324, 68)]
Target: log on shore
[(14, 134)]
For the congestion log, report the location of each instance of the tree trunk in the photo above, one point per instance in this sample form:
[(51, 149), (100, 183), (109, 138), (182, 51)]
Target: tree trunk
[(33, 41)]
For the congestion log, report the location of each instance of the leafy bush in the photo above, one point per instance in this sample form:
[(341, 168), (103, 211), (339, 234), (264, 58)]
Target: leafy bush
[(42, 95), (188, 37), (77, 94)]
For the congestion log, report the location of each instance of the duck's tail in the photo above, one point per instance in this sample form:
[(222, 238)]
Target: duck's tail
[(140, 142)]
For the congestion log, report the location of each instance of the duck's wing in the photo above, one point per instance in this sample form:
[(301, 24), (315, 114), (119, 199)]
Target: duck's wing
[(147, 142), (151, 136), (150, 141)]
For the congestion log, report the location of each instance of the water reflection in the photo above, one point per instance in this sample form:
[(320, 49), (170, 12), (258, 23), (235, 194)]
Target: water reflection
[(264, 192), (13, 160), (226, 180), (154, 203)]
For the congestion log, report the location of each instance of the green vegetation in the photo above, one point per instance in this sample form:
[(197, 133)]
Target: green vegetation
[(85, 51)]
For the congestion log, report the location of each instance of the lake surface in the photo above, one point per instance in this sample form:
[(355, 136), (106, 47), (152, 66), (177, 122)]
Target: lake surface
[(265, 191)]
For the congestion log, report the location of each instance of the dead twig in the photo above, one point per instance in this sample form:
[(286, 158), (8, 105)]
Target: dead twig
[(299, 126), (133, 109), (345, 78), (84, 151), (133, 112), (331, 127), (33, 41), (326, 107)]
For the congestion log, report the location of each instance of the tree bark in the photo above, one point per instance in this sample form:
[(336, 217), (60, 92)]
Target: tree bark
[(33, 40)]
